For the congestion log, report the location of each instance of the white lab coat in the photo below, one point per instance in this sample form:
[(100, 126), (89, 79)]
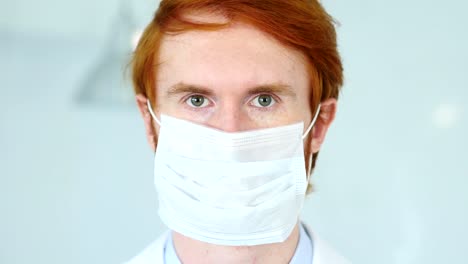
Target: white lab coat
[(323, 253)]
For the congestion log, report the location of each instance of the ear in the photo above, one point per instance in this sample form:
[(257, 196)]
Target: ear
[(324, 120), (141, 101)]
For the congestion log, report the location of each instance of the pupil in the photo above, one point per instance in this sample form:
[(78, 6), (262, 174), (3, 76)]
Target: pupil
[(264, 100), (197, 100)]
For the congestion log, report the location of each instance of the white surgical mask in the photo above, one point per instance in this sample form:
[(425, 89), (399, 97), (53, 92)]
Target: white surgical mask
[(244, 188)]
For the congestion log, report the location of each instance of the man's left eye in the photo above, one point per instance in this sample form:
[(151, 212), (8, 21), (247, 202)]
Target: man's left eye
[(264, 100)]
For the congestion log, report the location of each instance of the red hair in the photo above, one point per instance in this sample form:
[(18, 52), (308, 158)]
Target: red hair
[(300, 24)]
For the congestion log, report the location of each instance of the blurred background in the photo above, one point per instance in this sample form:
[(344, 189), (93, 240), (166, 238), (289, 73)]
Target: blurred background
[(76, 183)]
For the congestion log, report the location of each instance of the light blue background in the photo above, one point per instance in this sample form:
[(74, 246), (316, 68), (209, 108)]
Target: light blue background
[(76, 179)]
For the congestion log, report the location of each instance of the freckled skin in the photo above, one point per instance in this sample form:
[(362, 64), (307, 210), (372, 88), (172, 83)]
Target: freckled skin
[(231, 62)]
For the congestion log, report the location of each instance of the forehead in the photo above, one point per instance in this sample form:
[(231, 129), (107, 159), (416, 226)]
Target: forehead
[(233, 58)]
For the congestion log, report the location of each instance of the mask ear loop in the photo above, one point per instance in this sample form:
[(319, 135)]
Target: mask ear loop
[(309, 172), (312, 123), (150, 109)]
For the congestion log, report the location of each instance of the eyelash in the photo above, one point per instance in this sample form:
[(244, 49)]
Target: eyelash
[(185, 101), (275, 99)]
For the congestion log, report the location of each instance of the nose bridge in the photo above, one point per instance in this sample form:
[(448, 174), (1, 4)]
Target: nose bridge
[(228, 117)]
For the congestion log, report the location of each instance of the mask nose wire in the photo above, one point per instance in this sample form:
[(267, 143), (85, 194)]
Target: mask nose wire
[(312, 123), (152, 113)]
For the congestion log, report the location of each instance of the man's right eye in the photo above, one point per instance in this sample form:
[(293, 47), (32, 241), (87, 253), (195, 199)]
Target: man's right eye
[(197, 101)]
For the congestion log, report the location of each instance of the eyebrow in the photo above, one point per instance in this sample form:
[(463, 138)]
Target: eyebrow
[(188, 88), (277, 88)]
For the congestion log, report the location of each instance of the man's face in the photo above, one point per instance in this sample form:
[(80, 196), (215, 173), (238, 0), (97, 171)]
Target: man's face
[(233, 79)]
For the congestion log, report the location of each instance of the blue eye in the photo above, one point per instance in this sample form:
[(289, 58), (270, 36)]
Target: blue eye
[(197, 101), (264, 100)]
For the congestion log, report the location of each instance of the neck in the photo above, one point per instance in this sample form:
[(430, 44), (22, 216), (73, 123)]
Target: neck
[(192, 251)]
